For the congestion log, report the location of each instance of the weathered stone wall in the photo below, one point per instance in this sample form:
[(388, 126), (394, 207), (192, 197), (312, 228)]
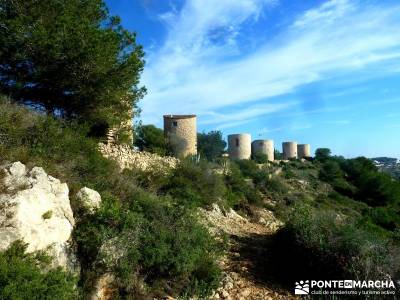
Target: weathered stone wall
[(181, 134), (127, 158), (304, 150), (239, 146), (265, 147)]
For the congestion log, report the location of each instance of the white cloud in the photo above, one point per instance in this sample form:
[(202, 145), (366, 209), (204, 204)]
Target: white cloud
[(200, 69)]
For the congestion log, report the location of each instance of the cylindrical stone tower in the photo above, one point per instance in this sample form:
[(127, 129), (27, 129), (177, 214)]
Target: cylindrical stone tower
[(264, 147), (289, 150), (239, 146), (303, 150), (181, 134)]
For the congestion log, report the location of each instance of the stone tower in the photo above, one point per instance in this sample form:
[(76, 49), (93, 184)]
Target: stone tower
[(289, 150), (265, 147), (181, 134), (239, 146), (304, 150)]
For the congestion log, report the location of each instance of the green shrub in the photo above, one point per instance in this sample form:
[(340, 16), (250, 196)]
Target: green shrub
[(210, 145), (260, 158), (194, 184), (150, 138), (22, 276), (240, 191), (162, 243), (322, 244)]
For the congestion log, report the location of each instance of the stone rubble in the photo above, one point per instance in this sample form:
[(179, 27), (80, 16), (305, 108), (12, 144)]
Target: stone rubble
[(128, 158)]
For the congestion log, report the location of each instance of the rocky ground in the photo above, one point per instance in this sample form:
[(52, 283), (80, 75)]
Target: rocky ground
[(245, 263)]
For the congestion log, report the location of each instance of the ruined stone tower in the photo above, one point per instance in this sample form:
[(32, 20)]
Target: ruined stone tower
[(239, 146), (181, 134), (304, 150), (289, 150), (265, 147)]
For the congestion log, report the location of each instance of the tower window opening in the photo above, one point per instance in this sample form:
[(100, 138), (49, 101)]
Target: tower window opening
[(237, 142), (175, 123)]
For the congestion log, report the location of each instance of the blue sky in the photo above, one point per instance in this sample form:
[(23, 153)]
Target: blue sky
[(320, 72)]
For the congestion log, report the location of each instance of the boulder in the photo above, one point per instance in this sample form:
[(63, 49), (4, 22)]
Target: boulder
[(35, 208), (90, 199)]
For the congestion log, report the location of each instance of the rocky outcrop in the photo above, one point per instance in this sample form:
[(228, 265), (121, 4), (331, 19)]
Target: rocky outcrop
[(35, 208), (127, 158), (89, 199)]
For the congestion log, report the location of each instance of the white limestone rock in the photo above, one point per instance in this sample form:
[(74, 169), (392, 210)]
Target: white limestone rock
[(90, 199), (35, 208)]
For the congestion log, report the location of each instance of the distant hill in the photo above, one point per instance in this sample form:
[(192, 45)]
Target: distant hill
[(388, 164)]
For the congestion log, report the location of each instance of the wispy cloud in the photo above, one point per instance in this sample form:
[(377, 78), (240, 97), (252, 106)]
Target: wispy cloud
[(200, 68)]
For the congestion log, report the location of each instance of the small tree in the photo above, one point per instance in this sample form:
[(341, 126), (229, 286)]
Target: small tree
[(71, 58), (278, 155), (150, 138), (210, 145), (322, 154)]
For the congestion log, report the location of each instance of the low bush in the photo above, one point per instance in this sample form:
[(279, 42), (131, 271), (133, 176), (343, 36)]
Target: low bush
[(325, 245), (241, 190), (156, 240), (194, 184), (22, 276)]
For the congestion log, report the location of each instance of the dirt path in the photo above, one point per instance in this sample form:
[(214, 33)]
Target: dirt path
[(245, 265)]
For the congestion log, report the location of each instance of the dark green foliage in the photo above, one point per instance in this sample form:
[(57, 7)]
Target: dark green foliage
[(386, 217), (70, 58), (22, 276), (150, 138), (324, 245), (332, 173), (61, 148), (322, 154), (373, 188), (260, 158), (277, 155), (248, 167), (195, 184), (210, 145), (241, 189), (162, 243)]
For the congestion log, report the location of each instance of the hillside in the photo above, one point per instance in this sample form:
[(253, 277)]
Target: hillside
[(223, 229)]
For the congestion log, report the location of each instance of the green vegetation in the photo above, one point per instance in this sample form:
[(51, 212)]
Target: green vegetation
[(23, 276), (210, 145), (343, 224), (76, 70), (260, 158), (162, 244), (70, 58), (150, 138)]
